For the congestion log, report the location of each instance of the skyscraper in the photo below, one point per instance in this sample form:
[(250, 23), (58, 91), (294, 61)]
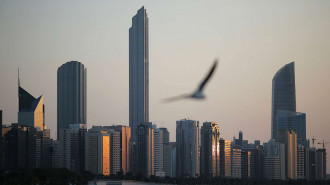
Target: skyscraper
[(138, 71), (289, 138), (210, 150), (167, 157), (145, 149), (72, 147), (283, 94), (71, 95), (125, 139), (187, 148), (158, 150), (225, 158)]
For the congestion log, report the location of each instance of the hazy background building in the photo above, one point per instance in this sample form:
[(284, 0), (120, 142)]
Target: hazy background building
[(283, 94), (71, 95), (158, 151), (167, 156), (138, 71), (274, 153), (72, 148), (187, 148)]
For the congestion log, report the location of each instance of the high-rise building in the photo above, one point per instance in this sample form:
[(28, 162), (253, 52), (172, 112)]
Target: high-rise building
[(289, 138), (301, 162), (225, 158), (71, 95), (167, 156), (320, 164), (240, 138), (72, 147), (274, 153), (102, 151), (1, 144), (246, 164), (236, 161), (46, 150), (158, 151), (31, 110), (312, 164), (283, 94), (293, 121), (145, 149), (56, 154), (187, 148), (173, 156), (115, 154), (24, 147), (97, 151), (138, 71), (210, 150), (125, 139), (259, 163)]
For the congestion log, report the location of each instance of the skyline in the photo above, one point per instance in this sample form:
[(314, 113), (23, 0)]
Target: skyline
[(307, 48)]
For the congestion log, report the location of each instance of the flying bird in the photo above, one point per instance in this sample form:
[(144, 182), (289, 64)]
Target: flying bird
[(198, 94)]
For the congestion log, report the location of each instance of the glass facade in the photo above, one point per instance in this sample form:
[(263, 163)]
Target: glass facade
[(187, 148), (293, 121), (71, 95), (138, 71), (283, 94), (210, 150)]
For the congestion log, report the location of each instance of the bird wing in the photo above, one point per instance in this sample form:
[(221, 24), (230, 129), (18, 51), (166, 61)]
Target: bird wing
[(202, 85), (175, 98)]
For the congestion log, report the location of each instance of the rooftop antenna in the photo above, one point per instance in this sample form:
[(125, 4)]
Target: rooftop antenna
[(19, 83)]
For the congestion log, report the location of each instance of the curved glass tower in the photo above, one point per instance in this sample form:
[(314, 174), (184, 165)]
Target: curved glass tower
[(71, 95), (283, 94)]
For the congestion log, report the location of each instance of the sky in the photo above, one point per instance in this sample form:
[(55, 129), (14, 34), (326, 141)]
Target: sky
[(252, 40)]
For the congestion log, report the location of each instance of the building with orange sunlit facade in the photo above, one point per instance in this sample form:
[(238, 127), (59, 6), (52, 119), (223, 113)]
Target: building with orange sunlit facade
[(105, 154), (102, 151), (125, 139), (225, 158)]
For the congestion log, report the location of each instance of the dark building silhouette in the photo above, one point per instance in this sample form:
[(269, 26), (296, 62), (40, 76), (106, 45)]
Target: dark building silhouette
[(246, 164), (210, 150), (1, 143), (145, 149)]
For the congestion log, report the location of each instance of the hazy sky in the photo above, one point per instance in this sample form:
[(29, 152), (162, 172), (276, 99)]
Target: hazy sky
[(252, 39)]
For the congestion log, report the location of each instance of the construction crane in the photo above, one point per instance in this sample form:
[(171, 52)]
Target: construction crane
[(313, 140), (323, 143)]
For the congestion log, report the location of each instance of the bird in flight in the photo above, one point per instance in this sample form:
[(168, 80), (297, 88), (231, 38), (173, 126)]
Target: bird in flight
[(198, 94)]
